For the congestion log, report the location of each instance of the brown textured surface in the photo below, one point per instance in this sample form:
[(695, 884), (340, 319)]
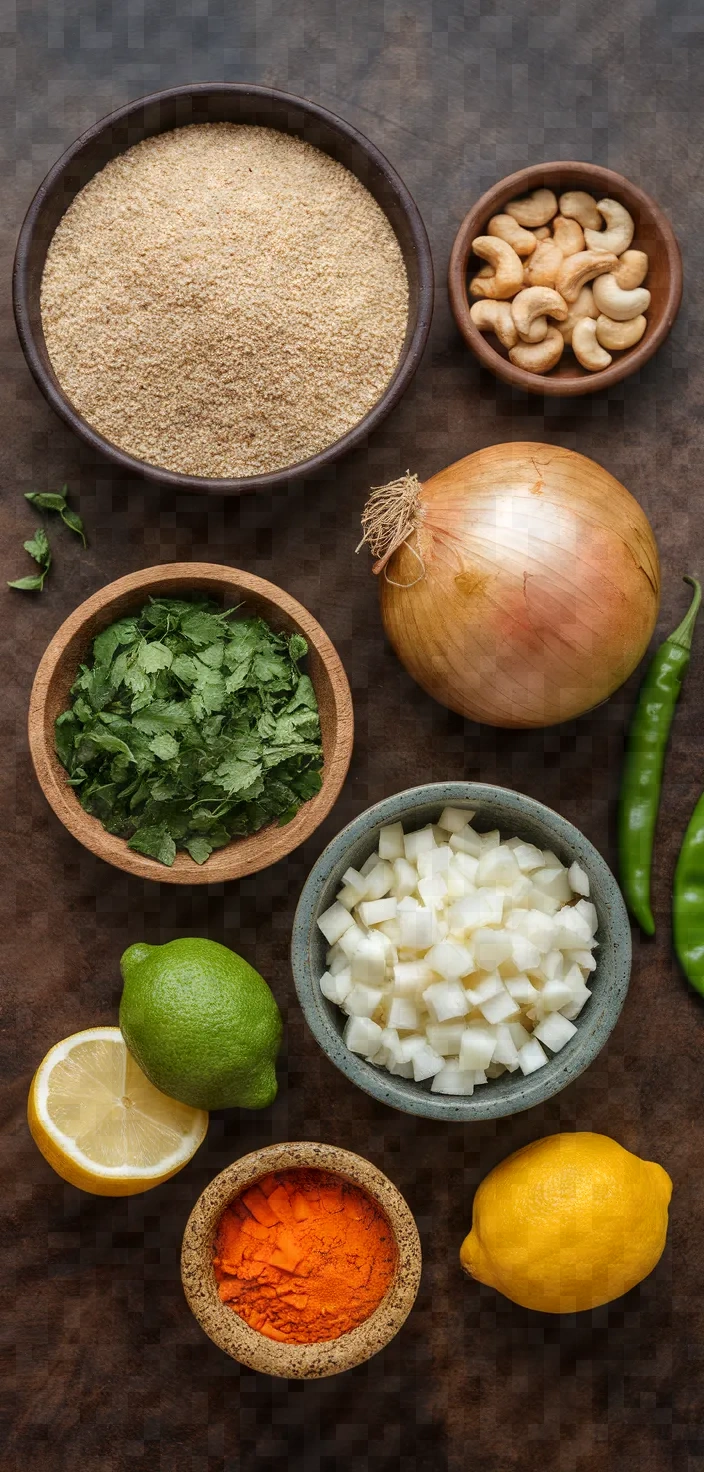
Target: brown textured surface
[(254, 596), (105, 1368), (231, 1333)]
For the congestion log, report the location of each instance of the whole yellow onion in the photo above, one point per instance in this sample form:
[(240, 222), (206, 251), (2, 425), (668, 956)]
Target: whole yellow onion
[(522, 585)]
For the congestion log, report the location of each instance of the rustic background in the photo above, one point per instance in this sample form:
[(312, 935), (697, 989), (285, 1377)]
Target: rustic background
[(105, 1368)]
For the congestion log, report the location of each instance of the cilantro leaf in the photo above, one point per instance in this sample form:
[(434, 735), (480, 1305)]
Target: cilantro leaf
[(154, 843), (38, 547), (56, 501)]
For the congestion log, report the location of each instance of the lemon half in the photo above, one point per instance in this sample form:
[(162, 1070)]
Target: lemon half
[(100, 1123)]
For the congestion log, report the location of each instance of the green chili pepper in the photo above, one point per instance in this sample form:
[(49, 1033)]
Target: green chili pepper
[(688, 901), (645, 758)]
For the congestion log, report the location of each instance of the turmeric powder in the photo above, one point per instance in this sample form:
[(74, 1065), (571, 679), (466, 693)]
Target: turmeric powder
[(304, 1256)]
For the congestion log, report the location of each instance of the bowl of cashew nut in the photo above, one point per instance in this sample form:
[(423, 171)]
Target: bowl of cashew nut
[(565, 278)]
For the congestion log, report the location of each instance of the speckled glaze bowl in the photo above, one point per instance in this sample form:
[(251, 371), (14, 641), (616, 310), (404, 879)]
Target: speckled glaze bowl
[(231, 1333), (513, 813)]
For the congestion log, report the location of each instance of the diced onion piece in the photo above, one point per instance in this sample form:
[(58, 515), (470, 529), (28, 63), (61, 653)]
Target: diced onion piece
[(403, 1014), (453, 820), (553, 882), (489, 986), (500, 1007), (405, 878), (334, 922), (554, 995), (368, 964), (588, 911), (355, 880), (409, 1046), (446, 999), (372, 912), (519, 1034), (466, 842), (363, 1036), (572, 930), (419, 842), (484, 908), (369, 864), (554, 1031), (539, 929), (465, 865), (433, 890), (416, 929), (411, 976), (362, 1001), (426, 1063), (450, 960), (579, 881), (477, 1047), (336, 988), (524, 954), (391, 842), (505, 1050), (453, 1080), (531, 1056), (528, 857), (348, 897), (379, 881), (497, 866), (550, 860), (445, 1037), (440, 858), (521, 989), (552, 964), (491, 948), (583, 959), (490, 840), (338, 963), (401, 1070), (351, 940)]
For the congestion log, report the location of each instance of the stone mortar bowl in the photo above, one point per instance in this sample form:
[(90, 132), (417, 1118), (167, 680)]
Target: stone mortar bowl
[(231, 587), (513, 813), (233, 1334), (216, 102)]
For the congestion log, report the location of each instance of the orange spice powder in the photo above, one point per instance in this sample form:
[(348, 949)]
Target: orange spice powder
[(304, 1256)]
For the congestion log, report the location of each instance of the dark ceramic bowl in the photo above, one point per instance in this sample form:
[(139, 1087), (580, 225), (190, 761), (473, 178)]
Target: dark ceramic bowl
[(653, 234), (512, 813), (213, 103)]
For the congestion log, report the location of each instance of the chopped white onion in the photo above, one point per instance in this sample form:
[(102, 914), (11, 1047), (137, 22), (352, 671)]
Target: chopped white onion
[(458, 956)]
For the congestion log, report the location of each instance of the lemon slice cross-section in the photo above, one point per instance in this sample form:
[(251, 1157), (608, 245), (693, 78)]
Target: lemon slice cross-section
[(100, 1123)]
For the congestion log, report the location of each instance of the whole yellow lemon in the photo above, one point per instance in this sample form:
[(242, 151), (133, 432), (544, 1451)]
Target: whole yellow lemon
[(567, 1223)]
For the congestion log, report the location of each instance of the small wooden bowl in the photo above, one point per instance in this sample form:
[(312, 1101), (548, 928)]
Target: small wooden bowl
[(653, 234), (71, 645), (233, 1334), (216, 102)]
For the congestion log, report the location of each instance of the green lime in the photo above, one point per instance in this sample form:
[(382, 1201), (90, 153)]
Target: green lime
[(202, 1024)]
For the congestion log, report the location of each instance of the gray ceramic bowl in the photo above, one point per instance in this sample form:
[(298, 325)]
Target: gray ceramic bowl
[(512, 813)]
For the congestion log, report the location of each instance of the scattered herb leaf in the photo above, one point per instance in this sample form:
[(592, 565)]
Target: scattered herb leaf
[(189, 728), (56, 501), (38, 548)]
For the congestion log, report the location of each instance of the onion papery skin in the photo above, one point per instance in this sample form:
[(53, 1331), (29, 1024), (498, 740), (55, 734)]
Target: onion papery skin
[(540, 592)]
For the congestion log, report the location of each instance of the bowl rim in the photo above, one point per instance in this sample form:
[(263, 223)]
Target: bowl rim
[(536, 1088), (223, 1325), (278, 842), (409, 359), (551, 173)]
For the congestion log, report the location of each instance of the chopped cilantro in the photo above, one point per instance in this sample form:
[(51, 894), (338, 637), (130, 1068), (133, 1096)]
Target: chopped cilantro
[(188, 728)]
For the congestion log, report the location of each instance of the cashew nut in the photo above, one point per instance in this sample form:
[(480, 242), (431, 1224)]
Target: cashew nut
[(576, 270), (506, 228), (568, 234), (536, 209), (507, 277), (542, 232), (619, 228), (576, 204), (532, 307), (619, 305), (632, 269), (585, 346), (496, 317), (544, 264), (619, 335), (584, 306), (539, 357)]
